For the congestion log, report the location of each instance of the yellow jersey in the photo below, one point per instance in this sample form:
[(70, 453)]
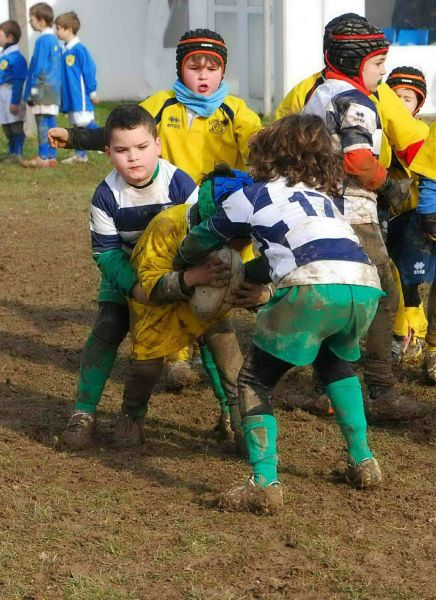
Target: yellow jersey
[(196, 144)]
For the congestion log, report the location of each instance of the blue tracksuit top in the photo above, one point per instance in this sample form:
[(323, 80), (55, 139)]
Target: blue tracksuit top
[(78, 78), (43, 85), (13, 71)]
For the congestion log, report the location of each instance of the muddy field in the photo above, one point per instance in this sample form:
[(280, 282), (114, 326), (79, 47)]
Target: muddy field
[(140, 524)]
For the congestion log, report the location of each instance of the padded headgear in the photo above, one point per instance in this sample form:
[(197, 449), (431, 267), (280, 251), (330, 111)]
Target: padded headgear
[(410, 78), (352, 43), (200, 41), (331, 25)]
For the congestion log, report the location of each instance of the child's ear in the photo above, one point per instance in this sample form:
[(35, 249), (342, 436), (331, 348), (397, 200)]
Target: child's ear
[(108, 151), (158, 145)]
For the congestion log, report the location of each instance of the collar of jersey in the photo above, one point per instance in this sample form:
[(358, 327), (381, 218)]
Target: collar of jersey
[(153, 177)]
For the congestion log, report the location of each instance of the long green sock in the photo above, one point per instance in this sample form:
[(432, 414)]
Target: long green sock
[(260, 433), (95, 367), (347, 401), (212, 372)]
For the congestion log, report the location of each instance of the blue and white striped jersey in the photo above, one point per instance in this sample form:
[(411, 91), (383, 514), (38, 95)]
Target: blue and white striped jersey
[(299, 231), (120, 212), (354, 124)]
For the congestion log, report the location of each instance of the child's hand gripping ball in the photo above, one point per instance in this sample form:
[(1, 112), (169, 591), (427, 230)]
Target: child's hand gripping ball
[(208, 302)]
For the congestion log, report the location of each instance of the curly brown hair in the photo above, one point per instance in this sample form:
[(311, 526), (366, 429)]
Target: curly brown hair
[(299, 148)]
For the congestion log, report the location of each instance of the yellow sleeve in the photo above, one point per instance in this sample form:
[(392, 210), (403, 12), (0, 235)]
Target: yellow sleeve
[(156, 248), (400, 127), (295, 100), (154, 103), (424, 162), (246, 124)]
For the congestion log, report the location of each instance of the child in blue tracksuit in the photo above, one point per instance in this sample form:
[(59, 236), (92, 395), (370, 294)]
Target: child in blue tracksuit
[(13, 71), (79, 86), (43, 85)]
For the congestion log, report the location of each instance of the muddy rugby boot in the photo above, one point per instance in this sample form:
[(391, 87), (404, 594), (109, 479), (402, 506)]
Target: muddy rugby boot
[(179, 375), (253, 498), (430, 366), (79, 431), (128, 431), (388, 404), (366, 474), (38, 163)]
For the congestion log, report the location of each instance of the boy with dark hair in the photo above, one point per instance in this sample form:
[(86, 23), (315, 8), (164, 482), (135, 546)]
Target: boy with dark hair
[(13, 71), (355, 65), (79, 86), (327, 294), (139, 187), (43, 85), (199, 123)]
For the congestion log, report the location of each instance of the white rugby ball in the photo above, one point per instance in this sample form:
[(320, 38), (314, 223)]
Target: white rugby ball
[(208, 302)]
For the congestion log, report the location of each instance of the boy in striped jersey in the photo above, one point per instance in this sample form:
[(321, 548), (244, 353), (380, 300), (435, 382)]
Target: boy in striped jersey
[(327, 294), (140, 186), (355, 60)]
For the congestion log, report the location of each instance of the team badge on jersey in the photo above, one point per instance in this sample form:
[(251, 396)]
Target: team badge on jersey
[(70, 60), (3, 65), (217, 127)]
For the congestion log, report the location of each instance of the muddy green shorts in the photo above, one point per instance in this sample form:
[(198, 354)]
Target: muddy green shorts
[(297, 320), (107, 293)]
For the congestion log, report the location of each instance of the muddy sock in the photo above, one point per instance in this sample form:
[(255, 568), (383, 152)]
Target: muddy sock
[(95, 367), (214, 378), (347, 401), (260, 434)]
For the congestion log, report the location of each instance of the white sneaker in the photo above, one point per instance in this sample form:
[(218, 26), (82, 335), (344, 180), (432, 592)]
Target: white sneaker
[(75, 159)]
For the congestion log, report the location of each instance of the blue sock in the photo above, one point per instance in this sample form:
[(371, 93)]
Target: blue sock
[(17, 144)]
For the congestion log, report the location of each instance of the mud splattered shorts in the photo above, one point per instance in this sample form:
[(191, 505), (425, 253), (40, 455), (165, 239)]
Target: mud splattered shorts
[(295, 322)]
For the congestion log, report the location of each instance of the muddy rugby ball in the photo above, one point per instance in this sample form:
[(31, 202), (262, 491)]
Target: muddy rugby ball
[(208, 302)]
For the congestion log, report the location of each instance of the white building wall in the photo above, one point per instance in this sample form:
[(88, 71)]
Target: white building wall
[(125, 37), (4, 10), (303, 31)]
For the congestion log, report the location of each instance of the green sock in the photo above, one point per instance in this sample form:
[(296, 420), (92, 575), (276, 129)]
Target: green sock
[(95, 367), (214, 378), (260, 434), (347, 401)]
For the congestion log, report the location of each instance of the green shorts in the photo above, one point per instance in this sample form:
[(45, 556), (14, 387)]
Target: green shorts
[(295, 322), (107, 293)]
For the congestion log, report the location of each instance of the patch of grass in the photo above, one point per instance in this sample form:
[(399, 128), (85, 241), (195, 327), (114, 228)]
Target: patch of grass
[(82, 587)]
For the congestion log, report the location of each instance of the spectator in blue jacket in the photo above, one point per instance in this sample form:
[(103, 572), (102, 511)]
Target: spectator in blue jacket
[(43, 85), (79, 86), (13, 71)]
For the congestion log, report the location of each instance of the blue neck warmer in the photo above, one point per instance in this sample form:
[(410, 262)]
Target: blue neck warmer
[(204, 106)]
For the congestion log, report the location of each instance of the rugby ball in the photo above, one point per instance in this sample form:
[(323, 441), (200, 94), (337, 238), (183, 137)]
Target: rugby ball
[(208, 302)]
